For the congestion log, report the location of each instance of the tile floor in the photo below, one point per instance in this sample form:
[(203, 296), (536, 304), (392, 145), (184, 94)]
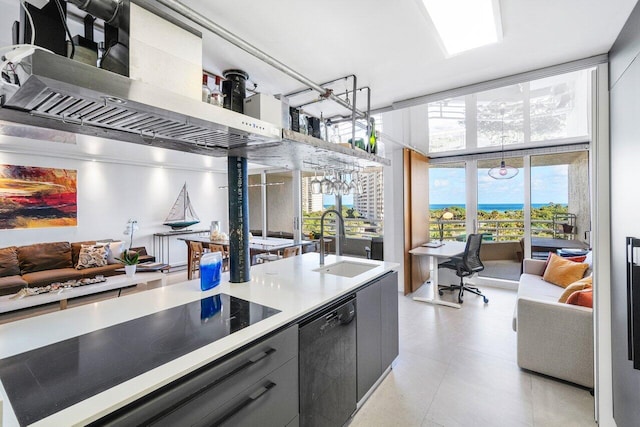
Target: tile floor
[(458, 368), (455, 368)]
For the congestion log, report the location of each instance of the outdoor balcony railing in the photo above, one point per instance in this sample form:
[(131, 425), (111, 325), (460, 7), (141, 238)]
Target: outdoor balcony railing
[(500, 230), (354, 227)]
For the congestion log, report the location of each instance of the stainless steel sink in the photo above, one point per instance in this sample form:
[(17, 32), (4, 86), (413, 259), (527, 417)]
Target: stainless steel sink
[(345, 268)]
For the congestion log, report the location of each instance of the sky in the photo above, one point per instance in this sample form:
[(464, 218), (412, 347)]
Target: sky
[(549, 184), (347, 201)]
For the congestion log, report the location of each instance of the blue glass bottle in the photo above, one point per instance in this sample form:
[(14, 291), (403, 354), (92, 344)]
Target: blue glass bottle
[(210, 270)]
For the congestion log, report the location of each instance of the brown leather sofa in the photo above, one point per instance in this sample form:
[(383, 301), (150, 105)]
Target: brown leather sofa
[(41, 264)]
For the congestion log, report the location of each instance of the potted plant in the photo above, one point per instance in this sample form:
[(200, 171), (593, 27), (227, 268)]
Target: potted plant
[(130, 259)]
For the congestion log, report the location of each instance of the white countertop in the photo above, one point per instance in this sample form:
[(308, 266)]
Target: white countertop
[(289, 285)]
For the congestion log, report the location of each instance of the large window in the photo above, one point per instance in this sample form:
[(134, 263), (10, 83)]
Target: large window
[(560, 202), (559, 107), (501, 117), (551, 110), (447, 125), (362, 207), (447, 194), (500, 202)]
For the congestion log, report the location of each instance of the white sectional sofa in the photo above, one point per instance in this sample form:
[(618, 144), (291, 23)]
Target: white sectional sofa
[(554, 339)]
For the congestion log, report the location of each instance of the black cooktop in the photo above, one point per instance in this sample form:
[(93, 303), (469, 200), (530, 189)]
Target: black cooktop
[(46, 380)]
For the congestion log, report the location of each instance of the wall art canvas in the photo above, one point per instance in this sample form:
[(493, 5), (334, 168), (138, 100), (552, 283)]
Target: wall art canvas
[(34, 197)]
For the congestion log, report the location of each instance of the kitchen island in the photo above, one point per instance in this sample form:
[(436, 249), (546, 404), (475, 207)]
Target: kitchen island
[(290, 286)]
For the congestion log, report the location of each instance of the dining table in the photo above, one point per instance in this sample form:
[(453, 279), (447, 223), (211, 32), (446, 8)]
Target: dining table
[(257, 245)]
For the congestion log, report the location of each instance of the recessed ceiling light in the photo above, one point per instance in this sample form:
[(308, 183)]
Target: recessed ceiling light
[(465, 24)]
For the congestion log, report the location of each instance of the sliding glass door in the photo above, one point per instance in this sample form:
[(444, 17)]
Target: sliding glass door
[(447, 202), (547, 199), (560, 202), (500, 202)]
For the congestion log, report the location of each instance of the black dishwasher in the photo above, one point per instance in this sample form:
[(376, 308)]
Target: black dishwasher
[(327, 361)]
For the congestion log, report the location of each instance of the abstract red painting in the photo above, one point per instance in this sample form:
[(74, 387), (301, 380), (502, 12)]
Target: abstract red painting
[(34, 197)]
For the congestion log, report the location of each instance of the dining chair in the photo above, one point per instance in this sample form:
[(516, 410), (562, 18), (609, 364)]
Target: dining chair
[(196, 250), (225, 255), (292, 251)]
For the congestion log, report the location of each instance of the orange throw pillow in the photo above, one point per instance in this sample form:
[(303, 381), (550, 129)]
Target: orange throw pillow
[(580, 285), (578, 258), (582, 298), (563, 272)]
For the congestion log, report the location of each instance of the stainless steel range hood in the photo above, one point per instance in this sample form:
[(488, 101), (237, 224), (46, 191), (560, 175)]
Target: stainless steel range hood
[(64, 94)]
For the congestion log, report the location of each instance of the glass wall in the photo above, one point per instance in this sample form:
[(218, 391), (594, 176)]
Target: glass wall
[(362, 205), (559, 107), (447, 201), (447, 129), (560, 202), (500, 202), (552, 110)]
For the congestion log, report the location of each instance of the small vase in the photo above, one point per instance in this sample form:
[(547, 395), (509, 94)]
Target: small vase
[(130, 270)]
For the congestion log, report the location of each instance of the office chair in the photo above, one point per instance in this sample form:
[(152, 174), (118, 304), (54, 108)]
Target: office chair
[(466, 266)]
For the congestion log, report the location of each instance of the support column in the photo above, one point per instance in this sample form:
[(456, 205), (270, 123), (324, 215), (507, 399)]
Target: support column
[(263, 198), (297, 205), (339, 242), (239, 259)]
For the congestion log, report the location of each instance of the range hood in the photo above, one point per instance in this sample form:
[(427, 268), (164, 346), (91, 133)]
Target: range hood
[(64, 94)]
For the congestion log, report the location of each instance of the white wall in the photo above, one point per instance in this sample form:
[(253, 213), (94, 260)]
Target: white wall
[(394, 126), (125, 181)]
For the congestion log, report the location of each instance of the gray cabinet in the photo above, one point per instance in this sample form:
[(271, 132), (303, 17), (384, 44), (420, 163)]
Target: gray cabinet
[(258, 386), (377, 330), (369, 356), (389, 339)]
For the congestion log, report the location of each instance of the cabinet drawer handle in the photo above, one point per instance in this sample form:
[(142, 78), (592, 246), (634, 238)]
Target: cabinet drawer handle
[(245, 402), (248, 363)]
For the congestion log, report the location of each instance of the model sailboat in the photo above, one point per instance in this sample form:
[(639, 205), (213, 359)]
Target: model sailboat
[(182, 214)]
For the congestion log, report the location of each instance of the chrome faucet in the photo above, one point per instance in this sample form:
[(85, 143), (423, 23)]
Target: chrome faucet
[(340, 232)]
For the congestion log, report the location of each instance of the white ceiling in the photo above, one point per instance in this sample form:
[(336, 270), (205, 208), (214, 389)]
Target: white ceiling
[(392, 46)]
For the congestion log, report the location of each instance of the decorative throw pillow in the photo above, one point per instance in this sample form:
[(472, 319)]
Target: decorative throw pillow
[(563, 272), (114, 250), (92, 256), (582, 298), (578, 258), (580, 285)]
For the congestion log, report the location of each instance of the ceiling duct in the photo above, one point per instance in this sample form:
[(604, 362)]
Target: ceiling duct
[(107, 10)]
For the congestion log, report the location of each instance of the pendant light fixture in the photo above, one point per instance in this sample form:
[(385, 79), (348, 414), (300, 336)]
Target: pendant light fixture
[(504, 171)]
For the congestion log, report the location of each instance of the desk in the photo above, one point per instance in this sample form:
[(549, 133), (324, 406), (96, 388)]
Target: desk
[(548, 244), (448, 250), (256, 246)]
